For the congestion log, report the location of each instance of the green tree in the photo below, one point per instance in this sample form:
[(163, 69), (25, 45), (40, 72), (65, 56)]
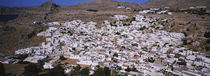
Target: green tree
[(31, 70), (99, 72), (107, 71), (85, 71), (76, 70), (115, 55), (2, 70), (151, 60), (119, 68), (57, 71), (41, 63), (128, 69), (62, 57), (134, 69), (102, 72)]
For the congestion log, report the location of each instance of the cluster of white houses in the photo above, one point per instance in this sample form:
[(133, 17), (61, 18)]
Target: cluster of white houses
[(156, 11), (142, 44)]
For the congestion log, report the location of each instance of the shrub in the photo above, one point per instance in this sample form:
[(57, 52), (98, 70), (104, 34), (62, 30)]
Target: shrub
[(57, 71), (115, 55), (107, 71), (135, 44), (119, 68), (31, 70), (117, 33), (76, 70), (8, 28), (102, 72), (207, 35), (134, 69), (79, 71), (62, 57), (128, 69), (140, 29), (151, 60), (133, 19), (131, 69), (181, 62), (99, 72), (92, 10), (85, 71)]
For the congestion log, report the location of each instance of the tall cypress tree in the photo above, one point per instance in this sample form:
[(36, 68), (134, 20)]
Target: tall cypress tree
[(2, 70)]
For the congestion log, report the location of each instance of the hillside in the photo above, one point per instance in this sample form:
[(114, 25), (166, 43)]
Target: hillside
[(12, 40), (110, 34), (176, 3)]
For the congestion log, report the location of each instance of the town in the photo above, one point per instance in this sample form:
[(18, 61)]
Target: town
[(139, 42)]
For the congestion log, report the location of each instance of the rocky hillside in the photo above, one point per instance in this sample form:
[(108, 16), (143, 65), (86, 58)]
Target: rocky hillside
[(106, 3), (176, 3)]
